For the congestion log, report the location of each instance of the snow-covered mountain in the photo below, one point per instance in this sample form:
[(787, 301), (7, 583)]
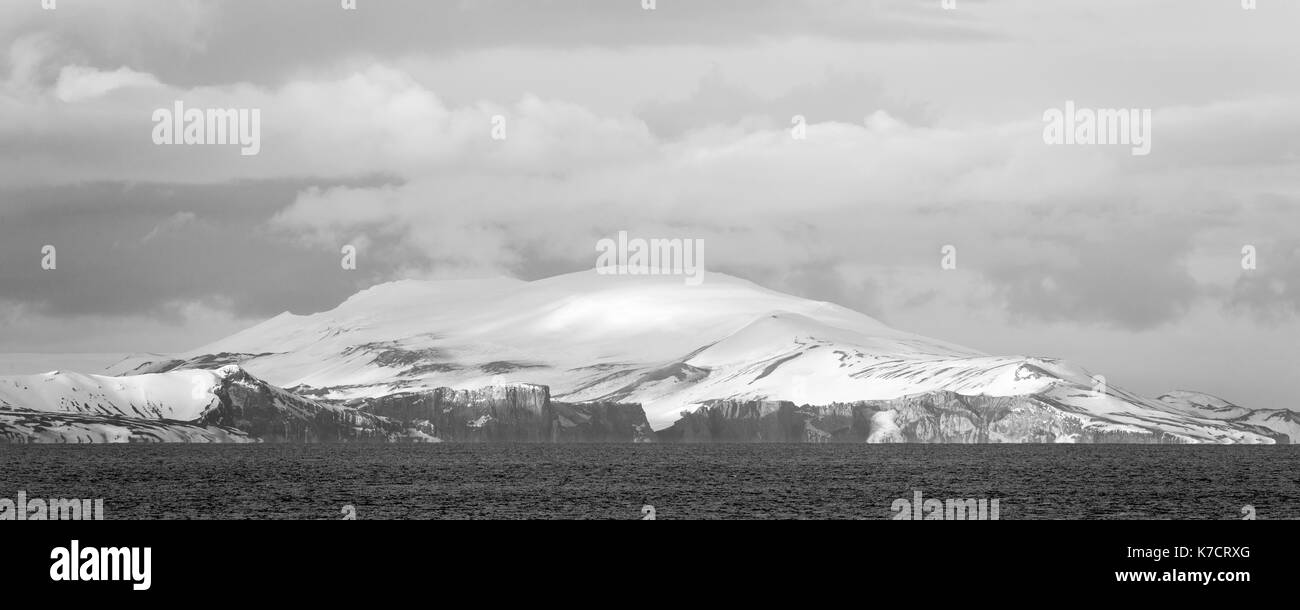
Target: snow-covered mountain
[(673, 347), (221, 405)]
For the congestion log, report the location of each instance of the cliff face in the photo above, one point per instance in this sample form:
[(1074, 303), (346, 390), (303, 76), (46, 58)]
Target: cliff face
[(937, 417), (945, 417), (497, 413), (270, 414), (599, 422), (519, 413), (768, 421)]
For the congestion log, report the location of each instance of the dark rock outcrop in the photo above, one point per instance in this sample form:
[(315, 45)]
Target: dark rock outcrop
[(599, 422), (271, 414), (768, 421), (518, 412)]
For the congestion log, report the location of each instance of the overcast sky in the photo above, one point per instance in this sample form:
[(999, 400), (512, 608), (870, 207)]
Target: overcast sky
[(925, 128)]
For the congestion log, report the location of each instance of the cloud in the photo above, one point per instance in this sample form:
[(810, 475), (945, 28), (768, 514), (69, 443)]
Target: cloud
[(1272, 289), (837, 97), (184, 325), (376, 121), (451, 198), (194, 42), (121, 32), (80, 83), (1092, 235), (137, 250), (1130, 278)]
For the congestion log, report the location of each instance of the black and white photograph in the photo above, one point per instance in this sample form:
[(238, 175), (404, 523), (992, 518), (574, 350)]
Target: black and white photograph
[(306, 261)]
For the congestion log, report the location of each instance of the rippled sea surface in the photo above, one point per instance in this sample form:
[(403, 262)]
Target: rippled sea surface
[(470, 481)]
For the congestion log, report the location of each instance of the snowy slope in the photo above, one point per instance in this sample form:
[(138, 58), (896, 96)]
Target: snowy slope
[(1203, 405), (60, 407), (36, 427), (181, 396), (656, 341)]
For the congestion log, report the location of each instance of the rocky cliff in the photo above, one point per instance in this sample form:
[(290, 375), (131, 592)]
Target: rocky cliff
[(517, 412), (935, 417), (271, 414)]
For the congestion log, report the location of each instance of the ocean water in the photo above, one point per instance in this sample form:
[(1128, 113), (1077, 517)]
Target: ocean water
[(724, 481)]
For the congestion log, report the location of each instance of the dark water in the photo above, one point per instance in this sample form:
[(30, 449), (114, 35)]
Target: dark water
[(680, 481)]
